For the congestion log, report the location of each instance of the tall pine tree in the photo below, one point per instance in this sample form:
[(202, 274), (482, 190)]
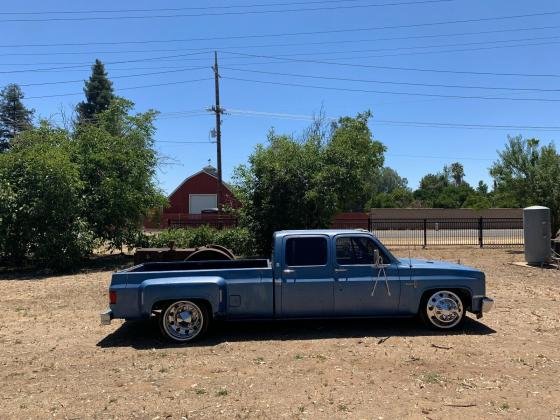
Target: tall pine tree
[(99, 94), (14, 116)]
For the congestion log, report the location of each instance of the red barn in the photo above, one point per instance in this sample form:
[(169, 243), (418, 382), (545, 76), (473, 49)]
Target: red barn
[(195, 201)]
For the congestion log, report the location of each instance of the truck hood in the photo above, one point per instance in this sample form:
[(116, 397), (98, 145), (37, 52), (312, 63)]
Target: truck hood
[(431, 265)]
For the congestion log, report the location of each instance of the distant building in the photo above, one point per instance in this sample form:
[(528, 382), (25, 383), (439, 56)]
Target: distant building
[(195, 202)]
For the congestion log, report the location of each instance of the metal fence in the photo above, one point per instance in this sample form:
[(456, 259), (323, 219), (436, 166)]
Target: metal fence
[(432, 232), (482, 232)]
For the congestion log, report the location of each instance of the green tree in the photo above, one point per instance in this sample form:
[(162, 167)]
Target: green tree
[(457, 173), (527, 173), (389, 180), (117, 167), (477, 201), (398, 198), (353, 161), (299, 184), (431, 186), (444, 189), (284, 186), (390, 190), (99, 94), (40, 201), (14, 116), (482, 188)]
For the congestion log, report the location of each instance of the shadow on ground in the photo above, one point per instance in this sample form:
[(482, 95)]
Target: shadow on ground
[(145, 334)]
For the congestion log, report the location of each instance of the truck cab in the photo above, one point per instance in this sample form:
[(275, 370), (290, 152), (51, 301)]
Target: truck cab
[(346, 273)]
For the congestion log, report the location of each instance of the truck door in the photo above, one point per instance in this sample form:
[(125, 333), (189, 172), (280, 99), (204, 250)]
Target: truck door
[(356, 277), (307, 283)]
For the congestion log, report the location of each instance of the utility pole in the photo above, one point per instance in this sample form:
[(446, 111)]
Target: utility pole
[(218, 111)]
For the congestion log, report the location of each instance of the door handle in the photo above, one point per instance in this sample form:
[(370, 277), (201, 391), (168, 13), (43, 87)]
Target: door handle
[(289, 271), (340, 270)]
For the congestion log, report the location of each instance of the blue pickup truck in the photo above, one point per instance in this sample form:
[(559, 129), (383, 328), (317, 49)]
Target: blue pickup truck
[(312, 274)]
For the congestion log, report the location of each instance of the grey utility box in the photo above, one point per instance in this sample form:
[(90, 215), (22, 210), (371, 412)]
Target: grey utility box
[(536, 232)]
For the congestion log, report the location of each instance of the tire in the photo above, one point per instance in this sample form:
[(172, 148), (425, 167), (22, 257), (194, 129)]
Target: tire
[(184, 321), (442, 310)]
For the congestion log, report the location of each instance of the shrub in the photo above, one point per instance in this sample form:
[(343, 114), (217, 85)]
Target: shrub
[(40, 204), (62, 192), (237, 239)]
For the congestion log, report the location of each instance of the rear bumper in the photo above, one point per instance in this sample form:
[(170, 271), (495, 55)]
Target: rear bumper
[(481, 305), (106, 317)]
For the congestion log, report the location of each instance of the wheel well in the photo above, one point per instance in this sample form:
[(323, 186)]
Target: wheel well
[(162, 304), (464, 294)]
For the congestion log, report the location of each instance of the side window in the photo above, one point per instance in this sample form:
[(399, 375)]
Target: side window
[(364, 249), (356, 250), (344, 252), (306, 251)]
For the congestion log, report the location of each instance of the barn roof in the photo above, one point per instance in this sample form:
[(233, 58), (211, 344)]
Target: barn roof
[(207, 170)]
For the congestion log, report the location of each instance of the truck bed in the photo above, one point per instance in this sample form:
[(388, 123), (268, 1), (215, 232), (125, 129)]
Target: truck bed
[(198, 265)]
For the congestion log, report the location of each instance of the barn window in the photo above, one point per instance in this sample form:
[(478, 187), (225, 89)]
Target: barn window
[(199, 202)]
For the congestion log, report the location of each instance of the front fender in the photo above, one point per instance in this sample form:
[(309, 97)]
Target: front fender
[(420, 283), (211, 289)]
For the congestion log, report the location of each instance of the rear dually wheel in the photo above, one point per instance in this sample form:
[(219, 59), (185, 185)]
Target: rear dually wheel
[(184, 321)]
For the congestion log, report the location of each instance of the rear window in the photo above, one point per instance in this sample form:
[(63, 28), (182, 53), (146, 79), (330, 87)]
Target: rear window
[(306, 251)]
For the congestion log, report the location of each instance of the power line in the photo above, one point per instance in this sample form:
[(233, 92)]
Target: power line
[(288, 57), (423, 46), (452, 51), (429, 124), (463, 126), (185, 142), (113, 77), (125, 88), (399, 38), (156, 66), (232, 13), (202, 114), (108, 62), (437, 157), (393, 82), (416, 69), (178, 9), (205, 49), (434, 95), (181, 68)]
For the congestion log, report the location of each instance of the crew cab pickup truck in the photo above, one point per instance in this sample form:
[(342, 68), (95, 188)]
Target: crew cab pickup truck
[(312, 274)]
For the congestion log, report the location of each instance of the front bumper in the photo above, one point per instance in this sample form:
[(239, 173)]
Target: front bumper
[(481, 305), (106, 317)]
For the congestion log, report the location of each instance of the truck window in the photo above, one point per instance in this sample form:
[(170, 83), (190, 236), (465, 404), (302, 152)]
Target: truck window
[(356, 250), (306, 251)]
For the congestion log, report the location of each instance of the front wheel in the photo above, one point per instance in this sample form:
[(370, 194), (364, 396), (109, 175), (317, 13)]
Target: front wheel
[(442, 310), (184, 321)]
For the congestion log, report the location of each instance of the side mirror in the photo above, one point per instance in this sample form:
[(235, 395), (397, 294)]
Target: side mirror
[(376, 257)]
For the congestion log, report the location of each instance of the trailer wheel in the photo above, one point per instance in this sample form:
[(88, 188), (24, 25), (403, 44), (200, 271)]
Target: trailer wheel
[(184, 321)]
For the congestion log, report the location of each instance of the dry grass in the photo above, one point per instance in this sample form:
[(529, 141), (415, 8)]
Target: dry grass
[(57, 361)]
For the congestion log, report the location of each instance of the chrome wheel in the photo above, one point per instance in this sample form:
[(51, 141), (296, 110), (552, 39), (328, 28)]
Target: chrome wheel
[(444, 309), (183, 321)]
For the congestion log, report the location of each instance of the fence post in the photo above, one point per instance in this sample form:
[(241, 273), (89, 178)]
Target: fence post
[(425, 233), (369, 224), (480, 232)]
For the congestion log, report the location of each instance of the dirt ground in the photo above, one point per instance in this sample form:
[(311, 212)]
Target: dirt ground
[(57, 361)]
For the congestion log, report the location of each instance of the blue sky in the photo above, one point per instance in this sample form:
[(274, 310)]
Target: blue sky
[(350, 45)]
